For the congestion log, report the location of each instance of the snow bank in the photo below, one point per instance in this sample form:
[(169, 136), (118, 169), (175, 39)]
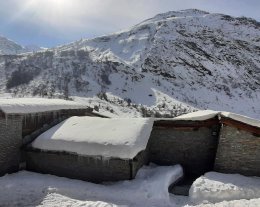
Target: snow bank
[(34, 105), (116, 137), (150, 188), (155, 181), (216, 187), (235, 203)]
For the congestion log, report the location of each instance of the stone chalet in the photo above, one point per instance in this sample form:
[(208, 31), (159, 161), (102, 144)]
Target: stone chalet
[(23, 119), (63, 139)]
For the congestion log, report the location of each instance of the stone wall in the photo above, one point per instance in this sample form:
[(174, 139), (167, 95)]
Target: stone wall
[(142, 158), (36, 123), (17, 130), (238, 152), (191, 144), (89, 168), (10, 144)]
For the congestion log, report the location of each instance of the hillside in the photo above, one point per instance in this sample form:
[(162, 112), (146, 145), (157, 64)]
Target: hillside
[(167, 65), (9, 47)]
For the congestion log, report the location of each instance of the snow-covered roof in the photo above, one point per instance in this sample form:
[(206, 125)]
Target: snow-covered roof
[(208, 114), (198, 115), (117, 137), (241, 118), (34, 105)]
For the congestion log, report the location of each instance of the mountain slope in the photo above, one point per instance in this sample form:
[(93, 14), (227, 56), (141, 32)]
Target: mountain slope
[(9, 47), (172, 63)]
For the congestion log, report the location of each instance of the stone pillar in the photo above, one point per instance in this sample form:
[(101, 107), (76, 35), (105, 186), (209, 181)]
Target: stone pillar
[(10, 143)]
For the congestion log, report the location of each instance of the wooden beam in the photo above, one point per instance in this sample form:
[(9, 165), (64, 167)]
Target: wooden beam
[(240, 125), (185, 125)]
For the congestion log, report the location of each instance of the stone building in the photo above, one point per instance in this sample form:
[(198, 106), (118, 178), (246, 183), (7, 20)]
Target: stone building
[(230, 144), (91, 148), (48, 138), (23, 119), (190, 143), (239, 146)]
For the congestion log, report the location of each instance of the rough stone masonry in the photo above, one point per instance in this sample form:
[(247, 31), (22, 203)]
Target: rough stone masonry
[(10, 143)]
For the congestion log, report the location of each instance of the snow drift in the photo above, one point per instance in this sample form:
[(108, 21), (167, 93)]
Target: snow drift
[(150, 188), (216, 187)]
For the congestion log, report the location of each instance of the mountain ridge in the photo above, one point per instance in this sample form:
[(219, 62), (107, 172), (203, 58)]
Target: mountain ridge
[(166, 65), (9, 47)]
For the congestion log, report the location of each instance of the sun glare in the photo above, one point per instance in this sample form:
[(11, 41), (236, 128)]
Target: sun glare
[(50, 11), (60, 15), (54, 8)]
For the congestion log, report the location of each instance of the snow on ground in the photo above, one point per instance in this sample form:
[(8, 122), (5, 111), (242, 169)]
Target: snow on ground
[(110, 109), (216, 187), (234, 203), (5, 95), (34, 105), (116, 137), (149, 188)]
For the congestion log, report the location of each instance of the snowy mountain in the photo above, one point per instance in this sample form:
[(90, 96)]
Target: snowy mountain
[(170, 64), (33, 48), (9, 47)]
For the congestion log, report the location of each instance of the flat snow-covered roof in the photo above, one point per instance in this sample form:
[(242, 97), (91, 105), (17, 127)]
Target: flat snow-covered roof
[(34, 105), (241, 118), (117, 137), (198, 115), (208, 114)]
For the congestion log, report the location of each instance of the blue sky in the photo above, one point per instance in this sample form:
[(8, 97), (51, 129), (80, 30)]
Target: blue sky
[(52, 22)]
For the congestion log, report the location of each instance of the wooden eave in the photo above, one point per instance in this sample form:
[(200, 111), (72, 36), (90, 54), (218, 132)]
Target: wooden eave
[(184, 124), (240, 125)]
